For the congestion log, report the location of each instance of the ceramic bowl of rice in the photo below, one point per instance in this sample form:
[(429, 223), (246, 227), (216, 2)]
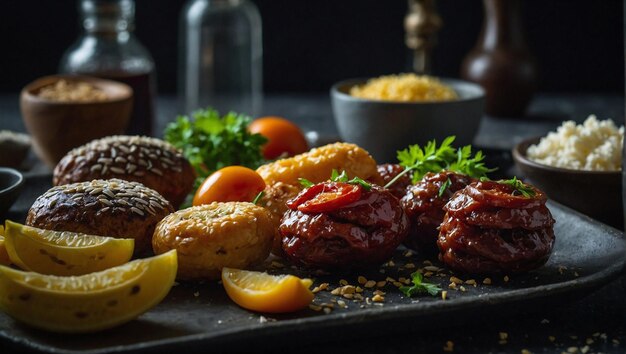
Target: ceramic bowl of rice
[(578, 165), (388, 113)]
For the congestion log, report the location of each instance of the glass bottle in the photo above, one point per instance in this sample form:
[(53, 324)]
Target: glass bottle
[(221, 56), (107, 48)]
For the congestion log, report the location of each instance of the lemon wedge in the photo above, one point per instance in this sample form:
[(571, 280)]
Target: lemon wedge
[(87, 303), (4, 256), (263, 292), (63, 252)]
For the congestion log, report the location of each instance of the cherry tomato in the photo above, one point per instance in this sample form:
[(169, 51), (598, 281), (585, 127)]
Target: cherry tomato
[(283, 137), (324, 197), (229, 184)]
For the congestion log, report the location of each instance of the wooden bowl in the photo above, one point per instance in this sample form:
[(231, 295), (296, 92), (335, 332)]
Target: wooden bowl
[(56, 127), (595, 193)]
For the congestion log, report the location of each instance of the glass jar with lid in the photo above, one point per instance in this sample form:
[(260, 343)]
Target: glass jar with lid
[(107, 48), (221, 56)]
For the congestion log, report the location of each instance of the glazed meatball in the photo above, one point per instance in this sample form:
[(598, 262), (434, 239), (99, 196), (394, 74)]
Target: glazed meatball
[(388, 172), (490, 228), (424, 204), (364, 231)]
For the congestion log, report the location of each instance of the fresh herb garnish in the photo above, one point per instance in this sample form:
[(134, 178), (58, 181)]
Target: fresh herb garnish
[(444, 186), (258, 197), (338, 177), (211, 142), (343, 177), (519, 187), (305, 182), (443, 158), (420, 286)]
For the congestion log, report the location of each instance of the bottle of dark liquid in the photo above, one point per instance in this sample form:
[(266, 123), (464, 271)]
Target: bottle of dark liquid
[(108, 49), (501, 61)]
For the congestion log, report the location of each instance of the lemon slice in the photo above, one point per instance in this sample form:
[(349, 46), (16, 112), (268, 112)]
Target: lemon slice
[(63, 252), (4, 256), (87, 303), (263, 292)]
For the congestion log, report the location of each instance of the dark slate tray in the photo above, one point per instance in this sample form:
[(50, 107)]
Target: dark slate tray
[(199, 317)]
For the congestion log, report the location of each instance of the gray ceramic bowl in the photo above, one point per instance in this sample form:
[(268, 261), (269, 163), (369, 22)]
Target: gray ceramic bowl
[(595, 193), (11, 182), (384, 127)]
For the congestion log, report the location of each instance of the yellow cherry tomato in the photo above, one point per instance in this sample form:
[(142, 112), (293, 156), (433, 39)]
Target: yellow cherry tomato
[(283, 137), (229, 184)]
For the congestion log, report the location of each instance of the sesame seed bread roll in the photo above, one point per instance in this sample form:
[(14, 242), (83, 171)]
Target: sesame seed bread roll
[(212, 236), (317, 165), (150, 161), (114, 208)]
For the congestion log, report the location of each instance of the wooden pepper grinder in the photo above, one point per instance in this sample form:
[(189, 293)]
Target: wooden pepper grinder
[(421, 25), (501, 61)]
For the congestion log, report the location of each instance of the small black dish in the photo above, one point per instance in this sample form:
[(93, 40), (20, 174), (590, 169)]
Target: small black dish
[(11, 183)]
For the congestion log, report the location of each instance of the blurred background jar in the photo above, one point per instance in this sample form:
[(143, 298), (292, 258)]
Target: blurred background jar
[(221, 56), (107, 48)]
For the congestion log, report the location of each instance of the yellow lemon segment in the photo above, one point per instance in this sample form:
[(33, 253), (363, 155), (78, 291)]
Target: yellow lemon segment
[(4, 256), (263, 292), (87, 303), (64, 252)]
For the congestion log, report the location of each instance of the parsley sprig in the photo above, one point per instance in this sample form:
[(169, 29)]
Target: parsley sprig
[(335, 176), (210, 141), (420, 286), (519, 187), (431, 158)]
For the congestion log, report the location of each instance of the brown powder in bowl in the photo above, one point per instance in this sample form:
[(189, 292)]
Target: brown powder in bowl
[(67, 91)]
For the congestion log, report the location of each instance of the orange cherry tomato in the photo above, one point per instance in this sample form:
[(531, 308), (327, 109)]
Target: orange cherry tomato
[(283, 137), (229, 184), (325, 197)]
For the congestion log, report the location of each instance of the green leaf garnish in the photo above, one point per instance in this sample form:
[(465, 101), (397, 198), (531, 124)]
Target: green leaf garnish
[(443, 158), (444, 186), (519, 187), (420, 286), (305, 182), (211, 142), (258, 197), (343, 177)]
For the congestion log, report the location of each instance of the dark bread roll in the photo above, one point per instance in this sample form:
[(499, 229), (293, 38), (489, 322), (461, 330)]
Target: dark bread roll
[(114, 207), (153, 162)]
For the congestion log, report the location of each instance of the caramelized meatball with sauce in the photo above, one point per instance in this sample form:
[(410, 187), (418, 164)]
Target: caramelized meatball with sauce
[(490, 228), (388, 172), (365, 230), (424, 202)]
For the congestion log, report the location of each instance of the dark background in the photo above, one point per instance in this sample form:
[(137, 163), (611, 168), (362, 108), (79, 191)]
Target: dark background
[(308, 45)]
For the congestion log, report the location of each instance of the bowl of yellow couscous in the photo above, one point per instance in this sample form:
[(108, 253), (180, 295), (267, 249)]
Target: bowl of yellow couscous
[(385, 114)]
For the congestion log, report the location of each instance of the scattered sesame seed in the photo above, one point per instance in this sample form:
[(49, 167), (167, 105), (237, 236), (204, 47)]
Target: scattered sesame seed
[(545, 321), (452, 286), (381, 283), (342, 304), (370, 284), (503, 335), (456, 280), (378, 298), (551, 338), (432, 268), (378, 292), (444, 295), (572, 350), (343, 282), (449, 347), (589, 341), (315, 307), (584, 349), (409, 266), (428, 274), (506, 278), (327, 310), (462, 288), (408, 253), (470, 282), (361, 279), (526, 351)]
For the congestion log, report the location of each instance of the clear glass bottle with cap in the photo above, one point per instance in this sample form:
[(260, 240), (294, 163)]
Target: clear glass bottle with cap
[(107, 48), (221, 56)]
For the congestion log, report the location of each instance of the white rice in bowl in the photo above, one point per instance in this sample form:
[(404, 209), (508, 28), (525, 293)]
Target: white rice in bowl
[(595, 145)]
